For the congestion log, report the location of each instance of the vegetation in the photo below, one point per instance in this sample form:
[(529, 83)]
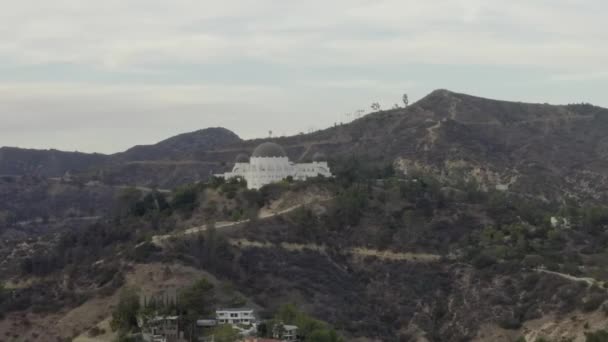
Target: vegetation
[(225, 333), (489, 235), (309, 329), (198, 300), (598, 336), (124, 316)]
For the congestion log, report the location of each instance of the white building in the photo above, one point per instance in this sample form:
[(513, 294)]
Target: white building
[(269, 163), (235, 316)]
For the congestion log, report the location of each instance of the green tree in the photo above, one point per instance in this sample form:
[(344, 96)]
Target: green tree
[(288, 314), (124, 316), (129, 202), (324, 335), (309, 328), (225, 333), (598, 336), (198, 299), (185, 198)]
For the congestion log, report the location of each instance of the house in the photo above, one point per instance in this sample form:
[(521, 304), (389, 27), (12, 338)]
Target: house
[(290, 333), (235, 316), (284, 332), (162, 329)]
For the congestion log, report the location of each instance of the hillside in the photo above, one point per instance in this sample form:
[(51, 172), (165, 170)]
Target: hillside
[(378, 255), (554, 152), (46, 163), (180, 147), (457, 218), (544, 150)]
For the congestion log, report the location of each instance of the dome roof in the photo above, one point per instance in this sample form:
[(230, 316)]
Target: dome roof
[(319, 157), (242, 158), (269, 149)]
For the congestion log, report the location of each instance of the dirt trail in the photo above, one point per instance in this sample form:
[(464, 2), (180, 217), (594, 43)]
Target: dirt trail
[(395, 256), (588, 280), (159, 239), (273, 211), (357, 252), (265, 213), (96, 184)]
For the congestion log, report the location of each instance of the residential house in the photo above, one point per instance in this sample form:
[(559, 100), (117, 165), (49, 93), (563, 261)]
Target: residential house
[(285, 333), (162, 329), (235, 316)]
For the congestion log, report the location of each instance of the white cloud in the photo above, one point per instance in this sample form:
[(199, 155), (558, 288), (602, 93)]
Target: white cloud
[(567, 38), (130, 33)]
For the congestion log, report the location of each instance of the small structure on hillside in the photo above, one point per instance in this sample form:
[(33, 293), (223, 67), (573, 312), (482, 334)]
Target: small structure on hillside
[(285, 333), (162, 329), (269, 163)]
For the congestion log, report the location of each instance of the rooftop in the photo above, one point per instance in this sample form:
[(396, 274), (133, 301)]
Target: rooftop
[(234, 310)]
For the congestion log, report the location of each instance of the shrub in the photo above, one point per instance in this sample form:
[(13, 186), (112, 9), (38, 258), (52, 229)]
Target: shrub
[(124, 316), (96, 331), (185, 198), (598, 336), (593, 302)]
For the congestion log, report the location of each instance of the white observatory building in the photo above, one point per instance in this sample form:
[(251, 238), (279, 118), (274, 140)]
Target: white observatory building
[(269, 164)]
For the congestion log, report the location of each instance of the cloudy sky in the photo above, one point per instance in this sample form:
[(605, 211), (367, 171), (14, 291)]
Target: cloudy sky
[(105, 75)]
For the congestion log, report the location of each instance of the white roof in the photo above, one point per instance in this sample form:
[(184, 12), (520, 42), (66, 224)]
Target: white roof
[(235, 310)]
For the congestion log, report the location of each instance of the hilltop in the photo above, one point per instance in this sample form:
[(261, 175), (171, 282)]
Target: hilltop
[(552, 151)]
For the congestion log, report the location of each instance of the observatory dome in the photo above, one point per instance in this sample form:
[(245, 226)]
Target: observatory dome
[(269, 149)]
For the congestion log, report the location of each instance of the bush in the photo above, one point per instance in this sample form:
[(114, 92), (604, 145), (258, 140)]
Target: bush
[(593, 302), (598, 336), (509, 322), (124, 316), (185, 198), (96, 331), (309, 328)]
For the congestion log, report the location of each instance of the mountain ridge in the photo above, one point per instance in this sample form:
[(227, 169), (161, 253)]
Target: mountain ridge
[(553, 151)]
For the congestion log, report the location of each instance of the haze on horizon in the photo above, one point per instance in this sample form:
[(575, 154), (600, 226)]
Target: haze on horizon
[(103, 76)]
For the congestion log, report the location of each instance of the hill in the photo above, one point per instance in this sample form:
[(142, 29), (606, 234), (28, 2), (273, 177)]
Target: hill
[(553, 152), (46, 163), (180, 147), (378, 255), (122, 166), (457, 218)]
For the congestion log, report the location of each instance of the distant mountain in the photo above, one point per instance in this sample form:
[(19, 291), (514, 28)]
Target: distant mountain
[(183, 146), (46, 163), (545, 150), (53, 163)]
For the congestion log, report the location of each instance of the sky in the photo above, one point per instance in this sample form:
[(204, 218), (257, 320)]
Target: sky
[(102, 76)]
